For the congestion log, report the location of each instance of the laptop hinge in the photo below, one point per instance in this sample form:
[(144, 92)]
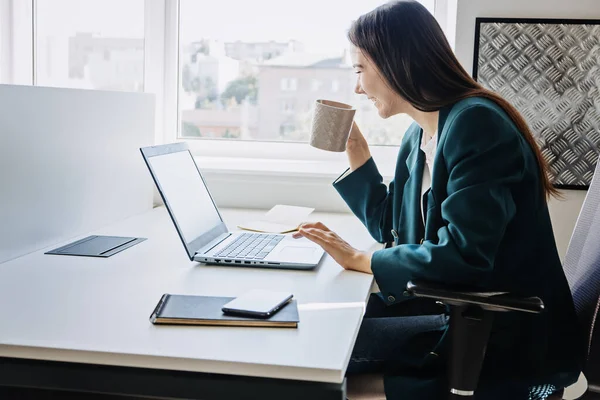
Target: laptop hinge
[(214, 243)]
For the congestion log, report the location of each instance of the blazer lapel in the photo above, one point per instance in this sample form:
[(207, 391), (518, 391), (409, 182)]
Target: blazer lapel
[(410, 227), (411, 223), (438, 175)]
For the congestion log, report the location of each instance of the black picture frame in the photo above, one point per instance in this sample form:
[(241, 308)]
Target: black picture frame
[(582, 149)]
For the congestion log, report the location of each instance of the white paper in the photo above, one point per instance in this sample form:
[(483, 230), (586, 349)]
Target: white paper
[(287, 214), (279, 219)]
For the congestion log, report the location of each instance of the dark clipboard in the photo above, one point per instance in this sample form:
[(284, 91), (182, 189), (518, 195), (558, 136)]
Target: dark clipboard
[(97, 246)]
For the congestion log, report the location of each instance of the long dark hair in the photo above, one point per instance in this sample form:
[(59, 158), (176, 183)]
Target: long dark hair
[(411, 51)]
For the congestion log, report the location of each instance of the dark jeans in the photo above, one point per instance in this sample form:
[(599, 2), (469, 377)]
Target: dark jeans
[(396, 338)]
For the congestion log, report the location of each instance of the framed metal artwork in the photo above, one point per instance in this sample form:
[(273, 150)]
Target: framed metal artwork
[(549, 69)]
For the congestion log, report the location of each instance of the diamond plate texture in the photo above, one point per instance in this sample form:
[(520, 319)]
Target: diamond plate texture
[(551, 73)]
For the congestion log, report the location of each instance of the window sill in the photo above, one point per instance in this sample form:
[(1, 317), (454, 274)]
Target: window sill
[(262, 183), (317, 169)]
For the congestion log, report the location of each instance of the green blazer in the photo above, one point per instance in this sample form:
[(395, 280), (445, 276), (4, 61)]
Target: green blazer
[(486, 226)]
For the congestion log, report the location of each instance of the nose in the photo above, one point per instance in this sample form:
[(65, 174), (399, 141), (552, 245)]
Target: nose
[(358, 88)]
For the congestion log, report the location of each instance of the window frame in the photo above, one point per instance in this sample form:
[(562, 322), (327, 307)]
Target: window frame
[(162, 78), (220, 148), (17, 26)]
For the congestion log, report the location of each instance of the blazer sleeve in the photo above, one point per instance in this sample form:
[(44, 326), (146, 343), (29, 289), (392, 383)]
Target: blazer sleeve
[(369, 199), (483, 155)]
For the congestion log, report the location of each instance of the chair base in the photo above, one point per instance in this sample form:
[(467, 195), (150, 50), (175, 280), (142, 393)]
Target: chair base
[(590, 396), (365, 387)]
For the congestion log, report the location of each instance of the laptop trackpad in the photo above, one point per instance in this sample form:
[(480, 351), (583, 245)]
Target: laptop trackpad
[(296, 252)]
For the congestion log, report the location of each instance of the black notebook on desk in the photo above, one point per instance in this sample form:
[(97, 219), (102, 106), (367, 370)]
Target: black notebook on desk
[(206, 310)]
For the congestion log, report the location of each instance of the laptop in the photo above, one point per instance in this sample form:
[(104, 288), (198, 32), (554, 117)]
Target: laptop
[(200, 225)]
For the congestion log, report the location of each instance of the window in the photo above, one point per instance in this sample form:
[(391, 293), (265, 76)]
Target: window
[(288, 84), (212, 80), (288, 106), (315, 85), (16, 42), (90, 44), (286, 129), (293, 84), (335, 86), (240, 70)]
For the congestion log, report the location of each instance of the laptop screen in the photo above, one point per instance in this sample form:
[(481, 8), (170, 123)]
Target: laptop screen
[(185, 194)]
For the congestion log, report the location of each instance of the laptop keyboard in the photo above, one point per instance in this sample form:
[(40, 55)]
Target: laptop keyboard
[(250, 246)]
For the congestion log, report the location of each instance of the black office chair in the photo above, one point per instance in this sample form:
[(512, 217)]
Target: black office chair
[(472, 313)]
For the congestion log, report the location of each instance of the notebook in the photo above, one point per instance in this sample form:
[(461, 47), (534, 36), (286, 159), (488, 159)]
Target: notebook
[(206, 310)]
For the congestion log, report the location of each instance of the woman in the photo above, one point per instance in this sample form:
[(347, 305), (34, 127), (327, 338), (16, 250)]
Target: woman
[(467, 206)]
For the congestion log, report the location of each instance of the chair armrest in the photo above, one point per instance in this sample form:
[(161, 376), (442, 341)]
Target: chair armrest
[(492, 301)]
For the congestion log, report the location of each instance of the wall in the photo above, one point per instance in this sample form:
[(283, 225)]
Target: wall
[(69, 163), (564, 213)]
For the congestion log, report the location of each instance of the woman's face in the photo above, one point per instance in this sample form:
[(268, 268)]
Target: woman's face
[(371, 83)]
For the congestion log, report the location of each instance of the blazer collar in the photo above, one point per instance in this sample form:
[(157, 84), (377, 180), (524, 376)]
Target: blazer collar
[(444, 112), (413, 160)]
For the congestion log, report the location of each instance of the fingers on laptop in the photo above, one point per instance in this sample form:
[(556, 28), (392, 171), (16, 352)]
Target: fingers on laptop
[(305, 226), (318, 225)]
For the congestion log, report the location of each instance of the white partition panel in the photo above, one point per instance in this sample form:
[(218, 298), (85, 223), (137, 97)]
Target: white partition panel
[(69, 163)]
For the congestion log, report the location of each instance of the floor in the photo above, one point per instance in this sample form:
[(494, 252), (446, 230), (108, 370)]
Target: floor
[(7, 393)]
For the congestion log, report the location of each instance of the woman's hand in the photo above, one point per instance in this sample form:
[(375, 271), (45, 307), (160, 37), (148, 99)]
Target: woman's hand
[(357, 148), (344, 254)]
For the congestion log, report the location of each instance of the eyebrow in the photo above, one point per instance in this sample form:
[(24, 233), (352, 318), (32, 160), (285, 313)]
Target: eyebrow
[(357, 66)]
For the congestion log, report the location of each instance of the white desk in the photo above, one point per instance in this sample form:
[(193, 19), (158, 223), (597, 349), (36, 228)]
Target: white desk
[(95, 310)]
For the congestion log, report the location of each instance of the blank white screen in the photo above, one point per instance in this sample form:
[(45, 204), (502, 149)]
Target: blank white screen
[(186, 194)]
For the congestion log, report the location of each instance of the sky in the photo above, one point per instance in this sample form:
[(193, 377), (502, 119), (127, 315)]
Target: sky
[(107, 18), (320, 24)]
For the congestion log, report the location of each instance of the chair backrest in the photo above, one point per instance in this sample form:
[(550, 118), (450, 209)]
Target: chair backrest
[(582, 268)]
